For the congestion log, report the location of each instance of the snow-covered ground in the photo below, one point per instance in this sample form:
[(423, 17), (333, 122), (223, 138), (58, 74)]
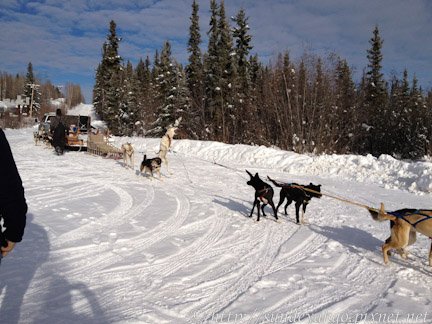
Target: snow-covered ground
[(104, 244)]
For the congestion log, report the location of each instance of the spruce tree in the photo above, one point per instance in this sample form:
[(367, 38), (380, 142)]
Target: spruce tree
[(242, 49), (317, 129), (173, 95), (128, 113), (256, 91), (299, 135), (419, 125), (32, 91), (194, 75), (227, 113), (107, 89), (145, 100), (404, 116), (288, 90), (244, 106), (393, 117), (213, 76), (375, 103), (346, 122)]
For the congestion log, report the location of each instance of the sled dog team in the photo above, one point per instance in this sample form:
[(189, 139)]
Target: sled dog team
[(404, 223), (152, 165)]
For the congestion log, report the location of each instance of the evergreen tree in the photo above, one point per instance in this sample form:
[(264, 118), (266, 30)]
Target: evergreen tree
[(375, 103), (107, 89), (228, 82), (393, 116), (194, 75), (244, 104), (32, 91), (213, 76), (128, 115), (403, 116), (291, 114), (155, 89), (419, 126), (346, 122), (145, 100), (318, 127), (172, 91), (242, 49), (185, 117), (299, 136)]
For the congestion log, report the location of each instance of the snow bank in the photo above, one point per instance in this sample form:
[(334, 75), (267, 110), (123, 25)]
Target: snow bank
[(385, 170)]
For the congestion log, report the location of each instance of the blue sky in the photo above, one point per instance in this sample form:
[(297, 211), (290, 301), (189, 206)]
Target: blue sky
[(63, 39)]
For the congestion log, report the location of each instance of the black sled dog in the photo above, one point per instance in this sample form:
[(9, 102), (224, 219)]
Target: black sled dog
[(295, 192), (151, 165), (263, 194)]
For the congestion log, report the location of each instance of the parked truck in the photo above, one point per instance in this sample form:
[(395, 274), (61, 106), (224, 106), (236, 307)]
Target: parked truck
[(77, 127)]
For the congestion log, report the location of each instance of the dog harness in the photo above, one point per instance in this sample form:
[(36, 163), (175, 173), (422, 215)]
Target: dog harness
[(169, 140), (261, 193), (407, 212)]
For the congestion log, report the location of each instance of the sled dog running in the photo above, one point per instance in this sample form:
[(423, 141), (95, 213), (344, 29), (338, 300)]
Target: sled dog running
[(402, 234), (300, 194), (263, 194)]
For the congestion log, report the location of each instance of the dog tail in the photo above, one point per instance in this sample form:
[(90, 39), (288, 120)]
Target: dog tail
[(276, 183), (145, 157), (378, 214)]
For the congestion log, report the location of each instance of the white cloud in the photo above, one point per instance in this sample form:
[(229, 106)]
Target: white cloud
[(68, 35)]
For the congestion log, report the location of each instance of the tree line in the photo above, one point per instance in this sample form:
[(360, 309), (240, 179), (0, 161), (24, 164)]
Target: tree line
[(40, 91), (307, 104)]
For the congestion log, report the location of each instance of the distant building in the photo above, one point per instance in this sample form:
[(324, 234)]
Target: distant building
[(16, 106)]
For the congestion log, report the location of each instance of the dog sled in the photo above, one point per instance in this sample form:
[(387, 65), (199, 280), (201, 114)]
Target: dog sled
[(98, 144)]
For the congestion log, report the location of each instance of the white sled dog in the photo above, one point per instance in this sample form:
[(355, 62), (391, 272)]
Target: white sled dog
[(165, 145), (128, 154)]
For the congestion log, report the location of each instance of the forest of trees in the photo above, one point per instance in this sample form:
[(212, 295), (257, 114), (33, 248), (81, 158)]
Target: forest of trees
[(305, 104), (43, 91)]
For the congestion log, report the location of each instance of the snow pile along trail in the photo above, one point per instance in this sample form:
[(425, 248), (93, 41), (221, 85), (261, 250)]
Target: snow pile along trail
[(104, 244)]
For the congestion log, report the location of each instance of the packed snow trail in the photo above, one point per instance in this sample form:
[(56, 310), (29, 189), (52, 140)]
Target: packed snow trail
[(104, 244)]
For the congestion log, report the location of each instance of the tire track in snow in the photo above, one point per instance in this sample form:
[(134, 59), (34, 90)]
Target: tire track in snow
[(248, 274), (170, 264), (106, 256), (59, 196), (69, 247), (342, 291)]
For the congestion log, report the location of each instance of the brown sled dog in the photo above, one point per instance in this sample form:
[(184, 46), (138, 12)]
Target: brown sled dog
[(405, 223)]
